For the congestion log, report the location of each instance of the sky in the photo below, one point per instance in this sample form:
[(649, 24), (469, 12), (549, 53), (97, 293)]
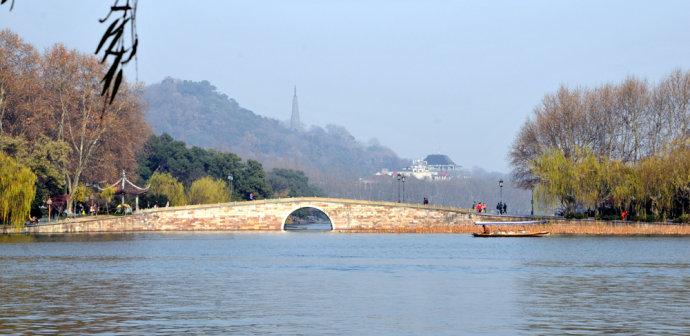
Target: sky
[(421, 77)]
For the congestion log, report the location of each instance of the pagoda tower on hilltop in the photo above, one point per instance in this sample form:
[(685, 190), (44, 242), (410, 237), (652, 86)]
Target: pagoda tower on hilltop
[(295, 122)]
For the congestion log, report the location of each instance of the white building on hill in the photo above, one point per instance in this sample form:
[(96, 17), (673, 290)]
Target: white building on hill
[(434, 167)]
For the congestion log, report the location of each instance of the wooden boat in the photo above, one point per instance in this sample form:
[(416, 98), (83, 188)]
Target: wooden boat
[(502, 233), (498, 234)]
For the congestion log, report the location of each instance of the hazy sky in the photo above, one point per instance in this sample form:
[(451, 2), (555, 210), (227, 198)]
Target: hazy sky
[(421, 76)]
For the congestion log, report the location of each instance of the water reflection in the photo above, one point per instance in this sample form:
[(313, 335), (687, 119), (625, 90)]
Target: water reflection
[(45, 238), (342, 284), (308, 227), (308, 219)]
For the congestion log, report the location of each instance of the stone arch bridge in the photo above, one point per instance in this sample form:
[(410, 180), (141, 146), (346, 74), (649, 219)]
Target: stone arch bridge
[(270, 215), (346, 215)]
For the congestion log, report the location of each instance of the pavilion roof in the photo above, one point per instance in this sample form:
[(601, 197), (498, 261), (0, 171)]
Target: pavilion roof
[(125, 186)]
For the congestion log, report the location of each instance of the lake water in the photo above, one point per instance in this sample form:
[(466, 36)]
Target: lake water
[(326, 283)]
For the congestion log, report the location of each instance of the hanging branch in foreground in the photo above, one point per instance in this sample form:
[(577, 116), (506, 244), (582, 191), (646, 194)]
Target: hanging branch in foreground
[(113, 43), (2, 2)]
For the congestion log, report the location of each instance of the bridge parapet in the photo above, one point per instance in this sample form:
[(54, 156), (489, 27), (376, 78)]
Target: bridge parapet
[(270, 215)]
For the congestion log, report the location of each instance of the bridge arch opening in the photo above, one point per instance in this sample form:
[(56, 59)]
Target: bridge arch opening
[(307, 219)]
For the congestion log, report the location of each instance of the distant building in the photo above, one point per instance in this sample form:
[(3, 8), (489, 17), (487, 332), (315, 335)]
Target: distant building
[(434, 167), (295, 123), (385, 172), (419, 170), (441, 163)]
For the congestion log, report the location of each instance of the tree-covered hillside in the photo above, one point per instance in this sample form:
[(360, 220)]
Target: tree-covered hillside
[(188, 165), (198, 114)]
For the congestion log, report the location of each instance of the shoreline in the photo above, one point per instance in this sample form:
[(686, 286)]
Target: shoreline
[(345, 215), (556, 227)]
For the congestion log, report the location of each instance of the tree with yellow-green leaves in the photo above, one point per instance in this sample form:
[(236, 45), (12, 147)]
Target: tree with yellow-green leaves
[(556, 179), (17, 190), (81, 193), (665, 181), (623, 183), (107, 195), (625, 121), (573, 181), (616, 147), (589, 173), (164, 184), (655, 188), (45, 158), (208, 190)]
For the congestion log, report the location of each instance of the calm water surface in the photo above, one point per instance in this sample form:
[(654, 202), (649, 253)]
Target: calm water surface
[(343, 284)]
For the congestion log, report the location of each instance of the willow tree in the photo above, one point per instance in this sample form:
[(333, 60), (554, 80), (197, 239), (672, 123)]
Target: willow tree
[(679, 159), (589, 173), (164, 184), (624, 185), (17, 190), (208, 190), (626, 121), (653, 173), (555, 174), (46, 158), (575, 180)]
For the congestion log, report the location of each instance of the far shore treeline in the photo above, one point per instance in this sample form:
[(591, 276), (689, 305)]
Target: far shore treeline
[(60, 139), (614, 151)]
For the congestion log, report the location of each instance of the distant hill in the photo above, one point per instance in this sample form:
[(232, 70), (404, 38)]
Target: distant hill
[(195, 112)]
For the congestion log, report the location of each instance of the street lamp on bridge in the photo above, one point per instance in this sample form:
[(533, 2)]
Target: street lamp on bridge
[(399, 178), (230, 178), (403, 189)]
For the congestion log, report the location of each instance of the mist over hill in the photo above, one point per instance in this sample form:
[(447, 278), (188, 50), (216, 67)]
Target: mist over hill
[(195, 112), (198, 114)]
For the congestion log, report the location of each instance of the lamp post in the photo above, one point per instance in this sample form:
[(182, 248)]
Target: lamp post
[(230, 178), (399, 178), (403, 189), (49, 202), (532, 200), (500, 186)]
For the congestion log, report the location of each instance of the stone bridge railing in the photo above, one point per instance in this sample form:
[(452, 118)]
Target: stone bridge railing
[(270, 215)]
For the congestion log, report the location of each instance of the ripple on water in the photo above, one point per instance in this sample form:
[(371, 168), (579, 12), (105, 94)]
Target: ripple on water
[(340, 284)]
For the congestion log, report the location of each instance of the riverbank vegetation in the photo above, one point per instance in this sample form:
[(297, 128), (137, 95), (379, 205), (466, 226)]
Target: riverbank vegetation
[(165, 189), (208, 190), (18, 191), (53, 119), (617, 149), (61, 140), (163, 154)]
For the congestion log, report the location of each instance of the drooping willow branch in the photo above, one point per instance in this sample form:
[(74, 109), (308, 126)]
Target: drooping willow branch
[(2, 2), (114, 41)]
